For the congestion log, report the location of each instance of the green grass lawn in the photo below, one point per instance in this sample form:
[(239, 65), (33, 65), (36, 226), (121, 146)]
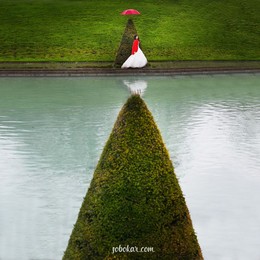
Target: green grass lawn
[(81, 30)]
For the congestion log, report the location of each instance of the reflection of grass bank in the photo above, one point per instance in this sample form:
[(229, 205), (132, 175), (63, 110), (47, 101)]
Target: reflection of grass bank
[(92, 30)]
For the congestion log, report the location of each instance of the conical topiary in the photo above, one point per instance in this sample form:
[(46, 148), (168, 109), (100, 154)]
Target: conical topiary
[(134, 199), (125, 48)]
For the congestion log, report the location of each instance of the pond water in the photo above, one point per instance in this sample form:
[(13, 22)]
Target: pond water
[(53, 130)]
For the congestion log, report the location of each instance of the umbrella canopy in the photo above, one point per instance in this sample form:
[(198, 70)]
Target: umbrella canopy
[(130, 12)]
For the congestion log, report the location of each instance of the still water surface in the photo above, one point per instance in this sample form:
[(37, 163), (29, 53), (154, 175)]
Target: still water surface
[(53, 130)]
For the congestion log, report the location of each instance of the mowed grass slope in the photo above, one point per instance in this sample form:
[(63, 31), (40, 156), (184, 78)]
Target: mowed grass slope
[(81, 30)]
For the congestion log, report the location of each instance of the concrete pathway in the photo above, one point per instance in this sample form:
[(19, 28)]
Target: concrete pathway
[(69, 72)]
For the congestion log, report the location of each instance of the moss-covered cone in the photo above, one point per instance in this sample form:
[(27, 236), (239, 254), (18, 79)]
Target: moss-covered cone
[(134, 198), (125, 48)]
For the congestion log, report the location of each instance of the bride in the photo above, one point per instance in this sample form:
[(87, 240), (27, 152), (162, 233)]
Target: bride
[(137, 58)]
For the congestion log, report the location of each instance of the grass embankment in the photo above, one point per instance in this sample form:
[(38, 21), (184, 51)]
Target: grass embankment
[(66, 30), (134, 197)]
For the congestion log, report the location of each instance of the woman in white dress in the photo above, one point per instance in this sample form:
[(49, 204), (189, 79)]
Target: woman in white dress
[(137, 58)]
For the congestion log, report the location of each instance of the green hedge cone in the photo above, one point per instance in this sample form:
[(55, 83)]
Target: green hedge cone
[(125, 48), (134, 199)]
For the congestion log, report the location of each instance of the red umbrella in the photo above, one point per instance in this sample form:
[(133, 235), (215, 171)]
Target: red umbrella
[(130, 11)]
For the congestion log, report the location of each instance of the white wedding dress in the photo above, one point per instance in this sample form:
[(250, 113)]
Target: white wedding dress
[(137, 60), (136, 86)]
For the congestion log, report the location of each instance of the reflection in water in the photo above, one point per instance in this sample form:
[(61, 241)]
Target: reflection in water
[(136, 86), (52, 131)]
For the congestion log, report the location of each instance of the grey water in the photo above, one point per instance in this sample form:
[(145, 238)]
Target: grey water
[(53, 130)]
